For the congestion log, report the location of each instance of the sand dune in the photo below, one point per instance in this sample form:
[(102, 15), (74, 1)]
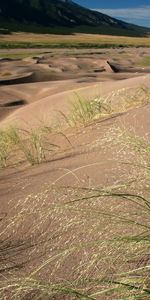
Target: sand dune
[(46, 109), (52, 79), (37, 220)]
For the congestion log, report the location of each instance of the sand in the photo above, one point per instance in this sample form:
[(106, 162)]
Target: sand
[(94, 156)]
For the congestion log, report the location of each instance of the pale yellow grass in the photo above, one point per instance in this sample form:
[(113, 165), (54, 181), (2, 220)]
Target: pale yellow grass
[(76, 38)]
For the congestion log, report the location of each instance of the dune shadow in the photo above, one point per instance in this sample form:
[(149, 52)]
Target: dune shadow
[(15, 103)]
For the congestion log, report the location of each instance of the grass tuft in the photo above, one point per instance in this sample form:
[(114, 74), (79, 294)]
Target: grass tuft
[(5, 148), (33, 146), (84, 111)]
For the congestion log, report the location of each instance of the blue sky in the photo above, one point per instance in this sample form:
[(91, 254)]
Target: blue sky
[(133, 11)]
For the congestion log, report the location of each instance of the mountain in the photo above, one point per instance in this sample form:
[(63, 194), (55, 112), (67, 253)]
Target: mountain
[(61, 16)]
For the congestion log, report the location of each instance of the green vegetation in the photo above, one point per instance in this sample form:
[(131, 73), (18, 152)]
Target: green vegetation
[(30, 145), (28, 45), (145, 62), (103, 30), (34, 45), (25, 41), (4, 31), (34, 145), (5, 148), (84, 111), (42, 17), (19, 55)]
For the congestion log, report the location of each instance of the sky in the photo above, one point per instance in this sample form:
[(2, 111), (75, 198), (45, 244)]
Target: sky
[(132, 11)]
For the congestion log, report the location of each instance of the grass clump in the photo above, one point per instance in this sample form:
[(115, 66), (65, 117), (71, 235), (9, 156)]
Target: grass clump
[(5, 148), (84, 111), (32, 145)]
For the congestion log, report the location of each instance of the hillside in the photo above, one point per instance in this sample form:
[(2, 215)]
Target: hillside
[(60, 16)]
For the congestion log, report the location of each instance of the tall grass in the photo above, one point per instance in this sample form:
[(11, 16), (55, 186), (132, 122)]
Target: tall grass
[(83, 111), (84, 243), (5, 148), (30, 145), (33, 146), (78, 242)]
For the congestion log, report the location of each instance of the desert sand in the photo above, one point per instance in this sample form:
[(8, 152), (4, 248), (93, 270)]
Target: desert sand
[(38, 90)]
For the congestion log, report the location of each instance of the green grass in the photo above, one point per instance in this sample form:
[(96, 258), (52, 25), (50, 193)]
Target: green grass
[(29, 40), (30, 145), (83, 111), (33, 145), (63, 45), (5, 148), (145, 62), (19, 55), (32, 45)]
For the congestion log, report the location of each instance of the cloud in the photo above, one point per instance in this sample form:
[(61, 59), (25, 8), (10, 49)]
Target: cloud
[(136, 13)]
